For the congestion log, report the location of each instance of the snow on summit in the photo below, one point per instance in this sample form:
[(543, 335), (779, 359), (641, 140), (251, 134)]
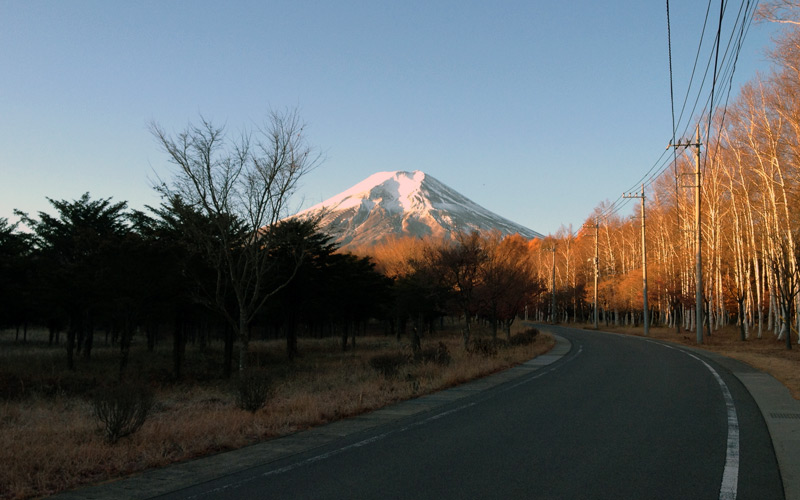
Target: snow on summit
[(393, 188), (404, 204)]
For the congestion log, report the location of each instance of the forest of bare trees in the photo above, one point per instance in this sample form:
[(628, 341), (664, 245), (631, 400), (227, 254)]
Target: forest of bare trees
[(750, 192)]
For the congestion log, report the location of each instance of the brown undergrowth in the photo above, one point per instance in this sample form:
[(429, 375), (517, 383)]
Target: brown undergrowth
[(767, 354), (52, 442)]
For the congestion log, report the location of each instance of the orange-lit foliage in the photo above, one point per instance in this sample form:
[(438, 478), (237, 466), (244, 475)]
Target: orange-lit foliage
[(395, 256), (749, 192)]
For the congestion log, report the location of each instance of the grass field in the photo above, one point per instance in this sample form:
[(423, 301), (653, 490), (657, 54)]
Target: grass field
[(52, 442)]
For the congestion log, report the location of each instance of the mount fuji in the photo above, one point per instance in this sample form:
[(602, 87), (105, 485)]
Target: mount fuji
[(403, 204)]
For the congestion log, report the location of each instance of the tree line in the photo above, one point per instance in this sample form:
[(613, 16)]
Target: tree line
[(475, 275), (95, 267), (750, 229), (218, 261)]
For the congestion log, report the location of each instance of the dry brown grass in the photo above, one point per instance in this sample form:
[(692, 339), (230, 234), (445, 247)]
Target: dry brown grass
[(52, 443), (767, 354)]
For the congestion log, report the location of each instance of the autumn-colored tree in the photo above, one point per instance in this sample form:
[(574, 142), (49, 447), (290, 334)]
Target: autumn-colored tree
[(508, 280), (459, 266)]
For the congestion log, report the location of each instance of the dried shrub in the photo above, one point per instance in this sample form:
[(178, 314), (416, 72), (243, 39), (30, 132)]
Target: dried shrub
[(11, 386), (253, 390), (483, 347), (390, 363), (413, 383), (439, 354), (67, 384), (122, 409), (524, 338), (197, 418)]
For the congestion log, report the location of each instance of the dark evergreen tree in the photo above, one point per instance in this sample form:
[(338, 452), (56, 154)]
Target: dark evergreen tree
[(70, 249), (329, 288), (15, 276), (199, 293)]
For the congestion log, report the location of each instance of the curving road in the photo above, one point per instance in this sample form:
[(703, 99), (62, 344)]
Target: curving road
[(617, 417)]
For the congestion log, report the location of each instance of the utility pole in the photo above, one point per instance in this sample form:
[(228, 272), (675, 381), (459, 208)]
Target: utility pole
[(596, 270), (596, 227), (553, 286), (698, 235), (645, 309)]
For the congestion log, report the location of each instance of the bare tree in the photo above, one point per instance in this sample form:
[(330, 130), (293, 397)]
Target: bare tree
[(507, 281), (787, 284), (779, 11), (241, 187), (459, 266)]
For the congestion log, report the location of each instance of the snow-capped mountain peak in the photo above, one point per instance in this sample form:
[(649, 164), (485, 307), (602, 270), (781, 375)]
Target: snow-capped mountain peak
[(404, 204), (394, 189)]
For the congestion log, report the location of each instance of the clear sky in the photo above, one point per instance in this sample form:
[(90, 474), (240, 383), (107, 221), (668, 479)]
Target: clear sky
[(536, 110)]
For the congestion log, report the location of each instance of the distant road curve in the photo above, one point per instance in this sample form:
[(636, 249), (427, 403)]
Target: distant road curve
[(618, 417)]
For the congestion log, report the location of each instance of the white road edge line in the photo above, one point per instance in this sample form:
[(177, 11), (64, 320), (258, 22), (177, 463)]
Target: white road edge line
[(730, 475)]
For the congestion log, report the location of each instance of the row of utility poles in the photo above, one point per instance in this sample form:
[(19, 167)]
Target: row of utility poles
[(698, 250)]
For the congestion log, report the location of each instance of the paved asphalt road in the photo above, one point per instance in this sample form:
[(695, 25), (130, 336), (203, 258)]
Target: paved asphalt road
[(618, 417)]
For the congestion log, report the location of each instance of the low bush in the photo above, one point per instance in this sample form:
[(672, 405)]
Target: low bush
[(390, 363), (196, 415), (439, 355), (253, 390), (122, 409), (524, 338), (483, 347), (11, 386)]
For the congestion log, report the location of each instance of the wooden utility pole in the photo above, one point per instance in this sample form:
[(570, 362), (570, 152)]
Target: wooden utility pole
[(553, 286), (699, 238), (645, 308), (596, 270), (698, 235), (596, 227)]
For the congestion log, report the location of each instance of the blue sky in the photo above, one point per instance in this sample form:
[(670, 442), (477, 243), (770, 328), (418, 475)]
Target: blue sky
[(535, 110)]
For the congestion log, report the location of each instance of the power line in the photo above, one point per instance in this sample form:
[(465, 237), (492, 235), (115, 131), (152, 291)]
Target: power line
[(745, 28), (621, 202), (714, 80), (739, 31), (696, 60), (672, 110), (722, 82)]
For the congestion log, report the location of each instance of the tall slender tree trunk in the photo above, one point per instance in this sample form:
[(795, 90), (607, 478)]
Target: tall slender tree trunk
[(345, 335), (244, 341), (178, 336), (466, 331), (71, 348), (291, 337), (230, 338)]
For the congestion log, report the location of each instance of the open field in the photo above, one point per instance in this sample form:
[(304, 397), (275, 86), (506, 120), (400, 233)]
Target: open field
[(52, 442), (767, 354)]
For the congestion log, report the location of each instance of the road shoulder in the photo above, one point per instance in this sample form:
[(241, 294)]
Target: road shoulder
[(175, 477), (781, 413)]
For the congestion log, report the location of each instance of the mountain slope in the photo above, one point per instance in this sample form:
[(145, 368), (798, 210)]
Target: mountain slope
[(404, 204)]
